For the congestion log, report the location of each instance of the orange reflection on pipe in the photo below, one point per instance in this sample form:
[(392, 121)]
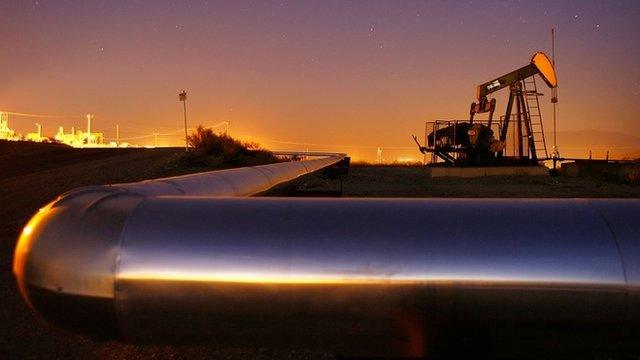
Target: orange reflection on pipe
[(342, 279), (24, 245), (25, 241), (264, 278)]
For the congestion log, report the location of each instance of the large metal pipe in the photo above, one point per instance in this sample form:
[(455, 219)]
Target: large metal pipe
[(79, 218), (243, 269)]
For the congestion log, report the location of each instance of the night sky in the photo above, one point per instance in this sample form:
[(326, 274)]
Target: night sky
[(357, 73)]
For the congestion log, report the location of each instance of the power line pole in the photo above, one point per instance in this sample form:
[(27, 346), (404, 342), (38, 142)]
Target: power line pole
[(183, 97), (117, 135), (155, 139)]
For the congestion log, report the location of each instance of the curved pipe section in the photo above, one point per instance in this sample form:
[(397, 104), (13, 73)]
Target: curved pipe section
[(244, 268), (71, 247)]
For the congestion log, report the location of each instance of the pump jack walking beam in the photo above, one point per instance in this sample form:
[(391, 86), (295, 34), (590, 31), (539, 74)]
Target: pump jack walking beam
[(540, 64)]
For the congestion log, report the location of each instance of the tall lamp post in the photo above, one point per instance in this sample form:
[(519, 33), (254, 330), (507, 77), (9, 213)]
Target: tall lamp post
[(183, 97)]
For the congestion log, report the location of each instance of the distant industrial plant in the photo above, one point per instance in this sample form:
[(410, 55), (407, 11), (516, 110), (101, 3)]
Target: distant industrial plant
[(75, 138)]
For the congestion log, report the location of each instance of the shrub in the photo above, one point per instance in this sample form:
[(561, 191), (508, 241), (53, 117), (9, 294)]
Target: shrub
[(213, 150)]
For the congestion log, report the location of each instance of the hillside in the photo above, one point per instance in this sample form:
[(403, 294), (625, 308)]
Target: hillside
[(32, 174), (24, 157)]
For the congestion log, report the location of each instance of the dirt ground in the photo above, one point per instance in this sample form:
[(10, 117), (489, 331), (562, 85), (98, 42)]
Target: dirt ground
[(412, 181), (35, 176)]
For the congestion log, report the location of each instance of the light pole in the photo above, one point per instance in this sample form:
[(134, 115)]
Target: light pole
[(183, 97)]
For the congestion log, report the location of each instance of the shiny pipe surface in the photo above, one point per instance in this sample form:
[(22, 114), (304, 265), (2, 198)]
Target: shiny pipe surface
[(244, 181), (240, 269)]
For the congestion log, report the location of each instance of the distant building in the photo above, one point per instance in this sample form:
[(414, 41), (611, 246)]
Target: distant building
[(5, 132), (91, 138), (37, 136), (78, 138), (72, 139)]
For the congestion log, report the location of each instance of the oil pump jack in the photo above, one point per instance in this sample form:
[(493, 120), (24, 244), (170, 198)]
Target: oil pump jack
[(472, 142)]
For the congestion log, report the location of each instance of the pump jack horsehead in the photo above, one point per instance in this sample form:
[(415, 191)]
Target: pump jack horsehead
[(474, 143)]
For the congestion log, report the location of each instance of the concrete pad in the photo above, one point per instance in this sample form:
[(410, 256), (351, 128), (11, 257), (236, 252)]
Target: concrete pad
[(467, 172)]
